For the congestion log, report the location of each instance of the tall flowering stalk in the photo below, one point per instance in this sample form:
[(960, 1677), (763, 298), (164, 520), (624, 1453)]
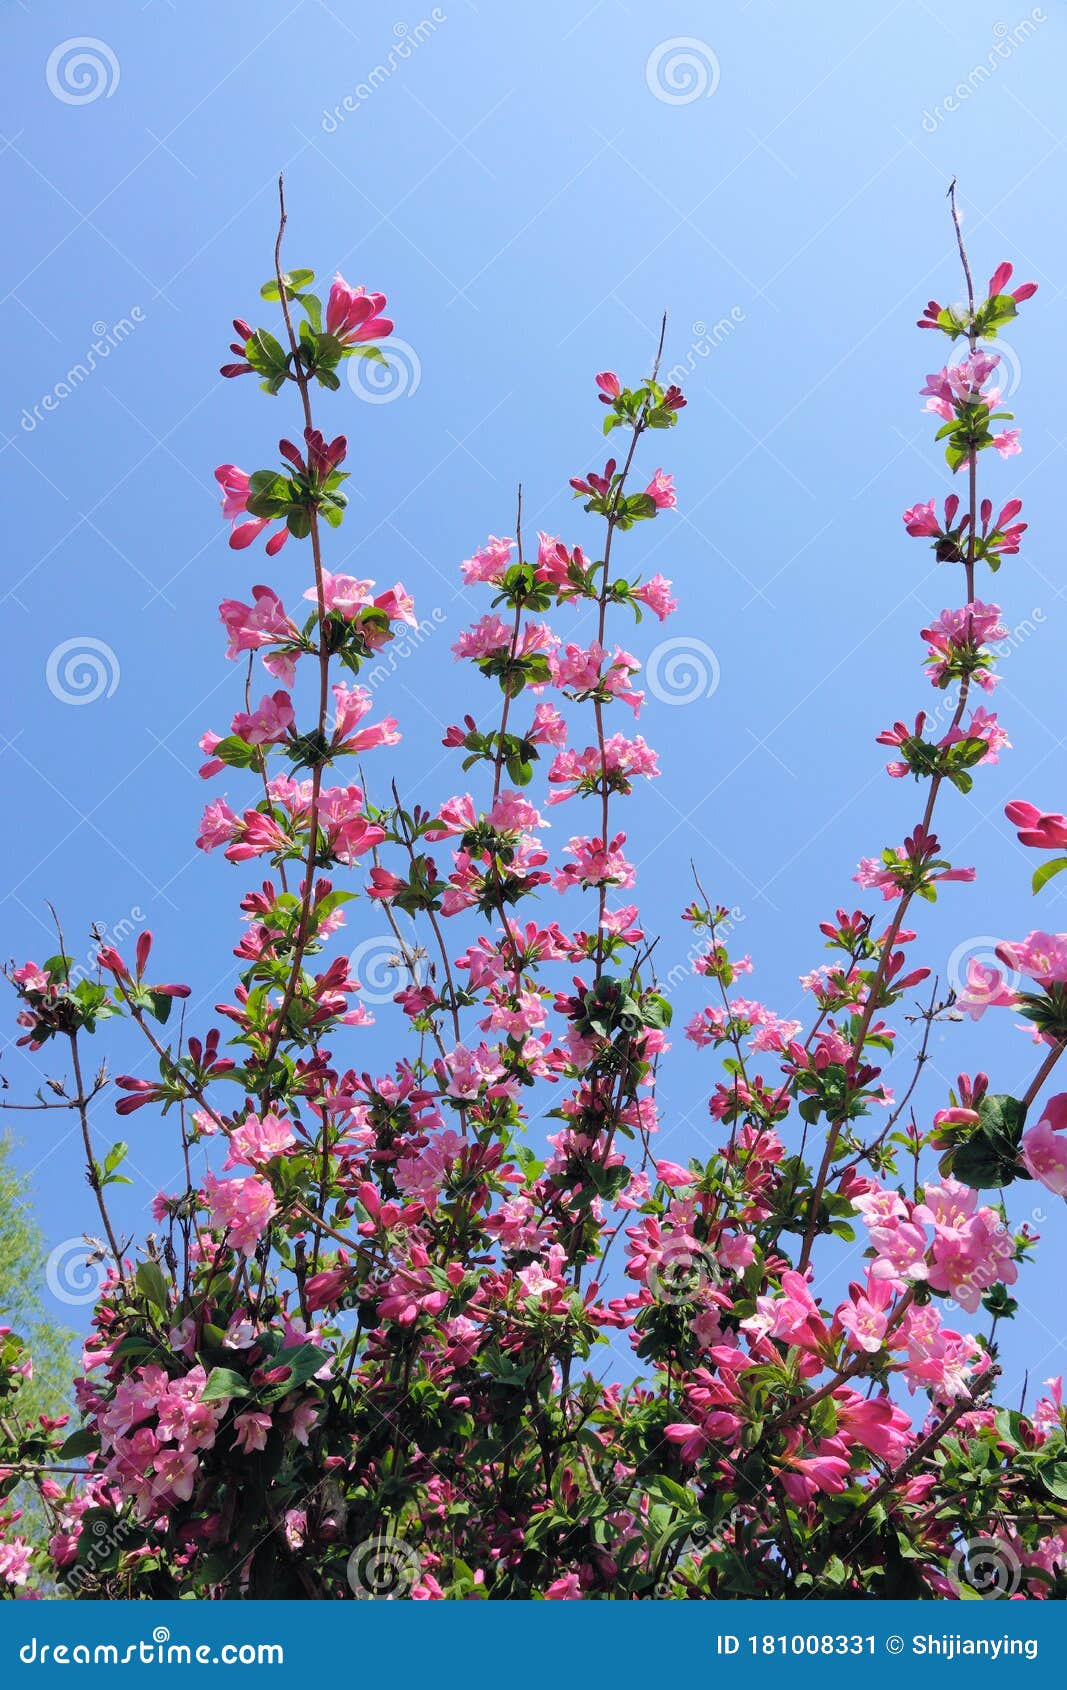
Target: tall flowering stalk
[(382, 1346)]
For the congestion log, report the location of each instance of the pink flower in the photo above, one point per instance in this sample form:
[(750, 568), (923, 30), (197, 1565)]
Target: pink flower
[(595, 485), (609, 385), (955, 642), (1044, 1156), (303, 1421), (490, 563), (15, 1561), (348, 832), (235, 483), (986, 988), (661, 490), (1007, 442), (244, 332), (1043, 956), (217, 825), (353, 316), (922, 519), (827, 1472), (982, 725), (548, 726), (176, 1471), (350, 706), (242, 1208), (397, 604), (591, 864), (619, 762), (555, 562), (467, 1071), (269, 724), (512, 813), (656, 594), (899, 866), (1044, 1149), (251, 1430), (875, 1422), (411, 1291), (1006, 534), (324, 1290), (673, 1175), (567, 1588), (343, 593), (586, 674), (972, 1248), (262, 623), (256, 1140), (1046, 832), (999, 280), (383, 885), (866, 1317), (458, 815)]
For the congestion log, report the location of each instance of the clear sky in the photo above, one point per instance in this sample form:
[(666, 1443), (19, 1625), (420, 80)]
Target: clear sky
[(531, 185)]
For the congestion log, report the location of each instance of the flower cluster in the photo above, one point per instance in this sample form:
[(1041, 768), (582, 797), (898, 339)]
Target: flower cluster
[(370, 1310)]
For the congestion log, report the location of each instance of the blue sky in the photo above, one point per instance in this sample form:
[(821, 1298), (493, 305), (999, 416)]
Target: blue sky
[(513, 178)]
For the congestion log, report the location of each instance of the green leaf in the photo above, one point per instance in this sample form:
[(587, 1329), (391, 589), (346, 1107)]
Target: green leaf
[(237, 752), (671, 1491), (1045, 873), (313, 306), (223, 1383), (989, 1157), (82, 1442), (302, 1362), (1053, 1475), (115, 1155), (293, 281), (151, 1283), (328, 350), (656, 1010), (100, 1540), (1009, 1425), (1002, 1118), (264, 352)]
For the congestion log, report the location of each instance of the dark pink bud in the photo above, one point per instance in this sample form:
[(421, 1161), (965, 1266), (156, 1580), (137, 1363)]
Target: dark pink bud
[(144, 946)]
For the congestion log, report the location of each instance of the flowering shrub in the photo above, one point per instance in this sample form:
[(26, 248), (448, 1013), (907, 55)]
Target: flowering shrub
[(362, 1357)]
